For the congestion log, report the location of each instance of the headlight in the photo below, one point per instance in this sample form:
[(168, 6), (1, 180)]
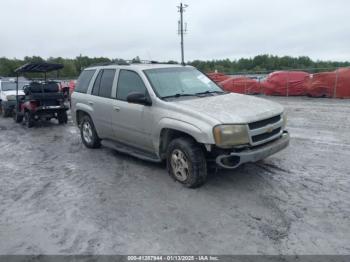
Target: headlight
[(284, 116), (230, 135), (10, 97)]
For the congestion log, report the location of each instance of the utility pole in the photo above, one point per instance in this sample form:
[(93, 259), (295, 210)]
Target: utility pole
[(182, 29)]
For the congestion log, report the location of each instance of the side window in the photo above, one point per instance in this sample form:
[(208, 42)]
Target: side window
[(106, 83), (96, 87), (84, 81), (129, 82)]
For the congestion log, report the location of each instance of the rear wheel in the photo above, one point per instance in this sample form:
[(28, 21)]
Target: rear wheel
[(62, 117), (4, 112), (88, 133), (186, 162), (28, 119), (18, 118)]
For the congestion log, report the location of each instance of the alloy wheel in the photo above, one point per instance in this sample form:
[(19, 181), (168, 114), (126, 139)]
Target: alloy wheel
[(87, 132), (179, 164)]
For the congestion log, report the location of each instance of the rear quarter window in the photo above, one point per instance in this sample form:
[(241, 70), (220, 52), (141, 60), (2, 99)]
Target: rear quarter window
[(84, 81)]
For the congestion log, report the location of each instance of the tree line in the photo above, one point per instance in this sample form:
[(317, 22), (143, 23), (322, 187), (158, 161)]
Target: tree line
[(260, 63), (267, 64)]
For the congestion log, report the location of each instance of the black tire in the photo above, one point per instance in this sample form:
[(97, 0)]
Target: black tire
[(18, 118), (28, 119), (62, 117), (94, 141), (1, 111), (4, 112), (196, 172)]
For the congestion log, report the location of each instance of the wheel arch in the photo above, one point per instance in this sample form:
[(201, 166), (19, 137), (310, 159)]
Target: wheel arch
[(79, 110), (169, 134), (80, 114)]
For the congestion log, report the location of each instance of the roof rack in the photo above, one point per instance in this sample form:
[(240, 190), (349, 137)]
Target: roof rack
[(142, 61), (126, 62), (114, 62), (120, 62)]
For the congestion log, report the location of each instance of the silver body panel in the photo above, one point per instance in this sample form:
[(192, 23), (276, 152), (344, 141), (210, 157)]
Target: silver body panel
[(140, 126)]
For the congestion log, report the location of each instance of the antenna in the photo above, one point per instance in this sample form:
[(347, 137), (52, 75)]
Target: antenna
[(181, 29)]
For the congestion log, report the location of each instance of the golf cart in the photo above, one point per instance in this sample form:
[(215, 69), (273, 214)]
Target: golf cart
[(43, 99)]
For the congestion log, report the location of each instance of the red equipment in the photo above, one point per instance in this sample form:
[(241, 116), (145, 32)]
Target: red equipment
[(286, 83), (242, 85), (330, 84), (71, 86), (218, 77)]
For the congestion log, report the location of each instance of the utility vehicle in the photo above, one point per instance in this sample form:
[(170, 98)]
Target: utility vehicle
[(43, 99), (177, 114)]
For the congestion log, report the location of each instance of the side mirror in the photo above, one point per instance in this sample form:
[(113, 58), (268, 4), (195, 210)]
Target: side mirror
[(139, 98)]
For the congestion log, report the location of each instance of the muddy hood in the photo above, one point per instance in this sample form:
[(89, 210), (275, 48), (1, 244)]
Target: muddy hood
[(232, 108)]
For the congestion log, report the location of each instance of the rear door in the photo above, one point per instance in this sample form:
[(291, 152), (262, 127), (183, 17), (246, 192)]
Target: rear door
[(132, 123), (102, 102)]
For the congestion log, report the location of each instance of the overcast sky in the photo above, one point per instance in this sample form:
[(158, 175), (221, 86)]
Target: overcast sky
[(148, 28)]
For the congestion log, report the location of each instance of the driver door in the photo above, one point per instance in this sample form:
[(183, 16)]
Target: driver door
[(132, 123)]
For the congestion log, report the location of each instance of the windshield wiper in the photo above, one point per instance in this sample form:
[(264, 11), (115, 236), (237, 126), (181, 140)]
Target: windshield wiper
[(179, 95), (196, 94), (210, 92)]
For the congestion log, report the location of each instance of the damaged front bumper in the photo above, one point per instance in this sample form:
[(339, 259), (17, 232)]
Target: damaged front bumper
[(235, 159)]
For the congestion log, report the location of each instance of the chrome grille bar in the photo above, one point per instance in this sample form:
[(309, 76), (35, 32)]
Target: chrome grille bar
[(263, 131)]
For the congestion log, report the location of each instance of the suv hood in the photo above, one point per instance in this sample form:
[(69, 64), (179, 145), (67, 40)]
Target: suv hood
[(233, 108)]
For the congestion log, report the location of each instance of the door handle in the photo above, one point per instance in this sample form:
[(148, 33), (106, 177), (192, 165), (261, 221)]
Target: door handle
[(91, 103), (116, 108)]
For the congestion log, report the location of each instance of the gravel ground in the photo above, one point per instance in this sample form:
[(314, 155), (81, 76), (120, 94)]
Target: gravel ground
[(58, 197)]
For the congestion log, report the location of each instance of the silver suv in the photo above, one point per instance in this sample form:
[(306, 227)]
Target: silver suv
[(175, 113)]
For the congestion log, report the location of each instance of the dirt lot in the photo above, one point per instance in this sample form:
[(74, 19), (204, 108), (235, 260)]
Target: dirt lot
[(57, 197)]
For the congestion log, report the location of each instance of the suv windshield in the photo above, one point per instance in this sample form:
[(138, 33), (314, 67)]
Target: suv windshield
[(6, 86), (180, 81)]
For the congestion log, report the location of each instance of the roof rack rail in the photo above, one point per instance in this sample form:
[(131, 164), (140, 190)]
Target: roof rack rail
[(114, 62), (120, 62), (133, 61), (127, 62)]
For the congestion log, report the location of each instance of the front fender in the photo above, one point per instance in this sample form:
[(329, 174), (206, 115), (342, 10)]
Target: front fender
[(198, 134)]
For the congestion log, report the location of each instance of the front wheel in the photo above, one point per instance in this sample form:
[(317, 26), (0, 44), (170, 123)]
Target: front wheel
[(186, 162), (88, 133), (28, 119)]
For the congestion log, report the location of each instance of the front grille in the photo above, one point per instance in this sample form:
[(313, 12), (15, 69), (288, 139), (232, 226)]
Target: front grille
[(265, 122), (263, 136)]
